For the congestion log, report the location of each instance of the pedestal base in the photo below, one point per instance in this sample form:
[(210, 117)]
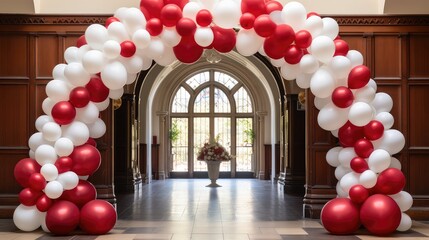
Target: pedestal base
[(213, 171)]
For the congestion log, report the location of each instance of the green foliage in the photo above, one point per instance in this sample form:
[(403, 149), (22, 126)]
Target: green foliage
[(249, 136), (174, 132)]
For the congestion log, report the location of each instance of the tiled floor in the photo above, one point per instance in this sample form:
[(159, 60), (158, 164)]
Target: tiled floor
[(185, 209)]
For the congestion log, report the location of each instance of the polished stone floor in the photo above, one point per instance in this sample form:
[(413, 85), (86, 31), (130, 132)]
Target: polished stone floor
[(182, 209)]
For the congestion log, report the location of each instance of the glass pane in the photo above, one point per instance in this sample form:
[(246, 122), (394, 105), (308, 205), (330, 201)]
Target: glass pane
[(202, 101), (225, 79), (181, 101), (201, 136), (223, 136), (198, 79), (242, 101), (245, 137), (221, 102), (178, 135)]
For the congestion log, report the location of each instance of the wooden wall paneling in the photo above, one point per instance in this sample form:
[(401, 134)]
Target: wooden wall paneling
[(387, 56), (358, 42), (14, 49), (47, 54), (418, 116), (419, 167), (394, 91), (419, 55)]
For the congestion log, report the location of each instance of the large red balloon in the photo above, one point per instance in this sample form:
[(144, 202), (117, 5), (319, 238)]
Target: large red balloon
[(188, 51), (81, 194), (204, 18), (170, 15), (97, 90), (349, 134), (272, 6), (154, 26), (341, 47), (264, 26), (303, 39), (128, 49), (79, 97), (247, 20), (63, 112), (380, 214), (37, 181), (255, 7), (186, 27), (358, 194), (276, 45), (62, 218), (86, 160), (29, 196), (358, 77), (224, 39), (180, 3), (64, 164), (373, 130), (342, 97), (293, 54), (97, 217), (44, 203), (390, 181), (359, 164), (340, 216), (24, 169), (151, 8), (363, 147)]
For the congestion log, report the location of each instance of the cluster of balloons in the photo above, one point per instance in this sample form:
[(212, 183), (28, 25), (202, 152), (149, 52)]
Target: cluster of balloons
[(304, 46)]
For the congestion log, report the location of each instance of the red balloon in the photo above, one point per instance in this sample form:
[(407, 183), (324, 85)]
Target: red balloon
[(86, 160), (341, 47), (28, 196), (247, 20), (224, 39), (340, 216), (128, 49), (154, 26), (359, 164), (373, 130), (79, 97), (390, 181), (81, 41), (272, 6), (264, 26), (204, 18), (293, 54), (62, 218), (188, 51), (97, 217), (24, 169), (312, 14), (63, 112), (342, 97), (363, 147), (44, 203), (81, 194), (349, 134), (358, 194), (303, 39), (284, 34), (111, 20), (92, 142), (255, 7), (64, 164), (180, 3), (151, 8), (97, 90), (37, 181), (170, 15), (276, 45), (358, 77), (380, 214), (186, 27)]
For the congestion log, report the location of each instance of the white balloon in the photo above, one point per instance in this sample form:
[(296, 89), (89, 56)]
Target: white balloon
[(103, 105), (155, 49), (303, 80), (386, 119), (294, 14), (87, 114), (51, 131), (47, 106), (93, 61), (368, 179), (379, 160), (130, 79), (403, 199), (226, 14), (121, 13), (57, 90), (382, 102), (32, 154), (392, 141), (340, 191), (395, 163), (248, 42), (167, 57), (84, 177), (322, 48), (289, 71), (77, 132), (147, 63), (372, 84), (82, 51), (97, 129), (49, 172), (63, 147), (191, 9), (112, 49), (346, 155), (36, 140), (319, 103), (405, 223), (41, 121), (340, 171), (68, 179), (277, 62), (355, 57), (170, 37), (96, 35), (133, 64), (262, 51), (58, 71), (54, 189), (114, 75), (340, 66), (45, 154), (322, 83), (365, 94), (141, 38), (349, 180), (116, 94), (360, 114), (330, 27), (276, 17), (335, 133), (332, 117), (332, 156), (76, 74), (43, 222), (27, 218), (314, 25), (308, 64), (70, 54), (134, 18), (204, 36)]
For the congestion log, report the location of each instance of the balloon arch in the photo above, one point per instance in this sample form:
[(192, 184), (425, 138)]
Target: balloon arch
[(303, 45)]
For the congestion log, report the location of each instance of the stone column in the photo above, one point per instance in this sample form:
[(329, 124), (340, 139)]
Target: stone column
[(260, 133), (163, 150)]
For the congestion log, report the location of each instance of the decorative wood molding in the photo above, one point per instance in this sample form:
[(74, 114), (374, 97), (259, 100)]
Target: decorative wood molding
[(383, 20), (9, 19)]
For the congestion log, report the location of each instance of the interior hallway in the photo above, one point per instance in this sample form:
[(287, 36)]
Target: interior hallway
[(179, 209)]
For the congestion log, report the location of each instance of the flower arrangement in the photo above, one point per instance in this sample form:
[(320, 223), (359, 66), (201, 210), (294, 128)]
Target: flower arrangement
[(213, 152)]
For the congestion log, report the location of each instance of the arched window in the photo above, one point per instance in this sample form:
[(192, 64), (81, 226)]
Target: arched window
[(211, 105)]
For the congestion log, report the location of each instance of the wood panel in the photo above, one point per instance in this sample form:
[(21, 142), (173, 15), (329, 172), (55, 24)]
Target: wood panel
[(47, 55), (358, 42), (419, 55), (14, 55), (8, 160), (419, 167), (387, 56), (394, 91), (418, 116)]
